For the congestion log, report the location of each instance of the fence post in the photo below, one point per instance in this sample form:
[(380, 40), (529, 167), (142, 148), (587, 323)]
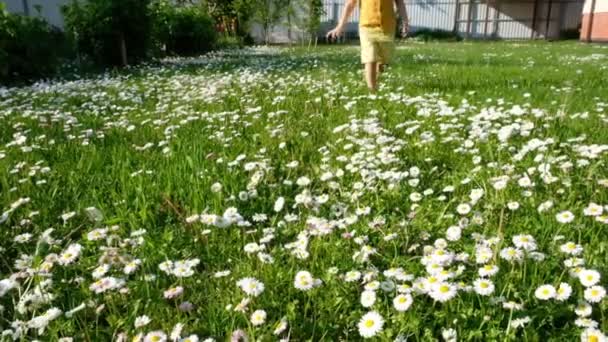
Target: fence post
[(336, 10), (548, 24), (534, 18), (456, 17), (496, 17), (485, 28), (469, 18), (590, 22)]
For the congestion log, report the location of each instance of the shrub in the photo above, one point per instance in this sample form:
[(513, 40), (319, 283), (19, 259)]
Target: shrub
[(30, 48), (4, 36), (430, 35), (230, 42), (573, 33), (183, 30), (111, 32)]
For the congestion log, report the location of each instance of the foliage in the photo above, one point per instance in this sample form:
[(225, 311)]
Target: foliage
[(269, 13), (434, 35), (30, 48), (225, 42), (312, 22), (111, 32), (182, 30), (233, 16), (570, 34), (291, 16), (5, 35)]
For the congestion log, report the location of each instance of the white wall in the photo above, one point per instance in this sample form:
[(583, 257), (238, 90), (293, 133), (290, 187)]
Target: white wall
[(601, 6)]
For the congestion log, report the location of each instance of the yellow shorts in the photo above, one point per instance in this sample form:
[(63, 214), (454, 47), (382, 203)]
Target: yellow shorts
[(376, 45)]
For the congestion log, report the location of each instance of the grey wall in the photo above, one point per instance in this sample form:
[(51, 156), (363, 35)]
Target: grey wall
[(50, 9)]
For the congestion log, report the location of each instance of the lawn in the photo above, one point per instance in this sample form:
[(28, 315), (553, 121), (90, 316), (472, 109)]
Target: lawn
[(263, 194)]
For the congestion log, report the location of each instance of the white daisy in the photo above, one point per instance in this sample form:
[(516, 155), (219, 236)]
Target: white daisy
[(463, 208), (583, 309), (593, 210), (303, 281), (545, 292), (488, 270), (251, 286), (402, 302), (258, 317), (155, 336), (592, 335), (589, 277), (370, 324), (368, 298), (142, 321), (595, 294), (564, 217), (571, 248), (525, 242), (278, 204), (280, 327), (442, 291), (483, 287), (563, 292)]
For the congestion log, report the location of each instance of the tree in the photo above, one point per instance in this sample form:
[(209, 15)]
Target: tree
[(111, 31), (291, 16), (232, 15), (264, 15), (313, 21), (268, 13)]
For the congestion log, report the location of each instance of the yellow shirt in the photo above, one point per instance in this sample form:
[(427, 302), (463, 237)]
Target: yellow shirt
[(378, 13)]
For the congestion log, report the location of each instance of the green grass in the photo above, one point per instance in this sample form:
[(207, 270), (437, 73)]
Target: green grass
[(241, 119)]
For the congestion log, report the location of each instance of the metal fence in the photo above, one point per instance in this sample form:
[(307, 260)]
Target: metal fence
[(513, 19)]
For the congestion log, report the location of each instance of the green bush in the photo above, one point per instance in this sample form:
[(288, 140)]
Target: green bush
[(430, 35), (570, 33), (230, 42), (107, 31), (183, 30), (4, 36), (30, 48)]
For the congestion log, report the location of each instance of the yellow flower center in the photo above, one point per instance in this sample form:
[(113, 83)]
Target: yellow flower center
[(593, 338), (369, 323), (444, 289), (484, 285)]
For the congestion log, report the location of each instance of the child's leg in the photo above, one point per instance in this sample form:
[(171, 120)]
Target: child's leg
[(379, 71), (371, 75), (384, 55)]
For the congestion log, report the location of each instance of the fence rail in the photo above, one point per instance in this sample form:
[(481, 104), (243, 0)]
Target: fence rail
[(513, 19)]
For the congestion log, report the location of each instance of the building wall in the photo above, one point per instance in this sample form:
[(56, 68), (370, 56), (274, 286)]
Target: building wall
[(596, 29), (49, 9), (505, 19)]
